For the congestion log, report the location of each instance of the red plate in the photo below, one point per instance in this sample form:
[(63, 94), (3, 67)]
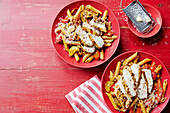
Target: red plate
[(155, 15), (112, 65), (60, 48)]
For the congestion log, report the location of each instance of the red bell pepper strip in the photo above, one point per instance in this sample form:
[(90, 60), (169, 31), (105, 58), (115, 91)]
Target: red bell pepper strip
[(65, 20), (153, 66), (97, 55), (158, 90)]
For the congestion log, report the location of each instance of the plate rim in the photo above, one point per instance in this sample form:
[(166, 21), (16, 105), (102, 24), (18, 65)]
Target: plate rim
[(87, 66)]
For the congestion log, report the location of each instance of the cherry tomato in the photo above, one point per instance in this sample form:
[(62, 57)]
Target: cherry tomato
[(112, 88), (138, 110), (59, 37), (65, 20), (97, 55), (153, 66), (153, 75)]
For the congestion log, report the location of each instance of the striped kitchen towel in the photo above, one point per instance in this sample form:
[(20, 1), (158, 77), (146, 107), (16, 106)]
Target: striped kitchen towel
[(87, 97)]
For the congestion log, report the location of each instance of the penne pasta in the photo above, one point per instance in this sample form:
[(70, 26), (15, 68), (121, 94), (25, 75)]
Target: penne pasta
[(69, 15), (144, 61), (76, 57), (148, 109), (111, 76), (108, 41), (142, 106), (109, 38), (114, 37), (76, 16), (93, 9), (134, 102), (117, 69), (64, 42), (86, 56), (114, 102), (73, 43), (126, 61), (105, 15), (158, 69), (82, 7), (102, 54), (109, 25), (165, 83), (136, 59), (107, 44), (89, 59)]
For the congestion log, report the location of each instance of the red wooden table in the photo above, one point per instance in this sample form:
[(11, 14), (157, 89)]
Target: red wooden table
[(33, 78)]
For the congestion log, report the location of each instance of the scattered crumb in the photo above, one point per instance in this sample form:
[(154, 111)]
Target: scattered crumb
[(166, 43), (154, 44), (143, 44)]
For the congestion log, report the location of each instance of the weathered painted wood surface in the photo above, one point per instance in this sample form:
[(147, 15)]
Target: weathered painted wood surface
[(33, 77)]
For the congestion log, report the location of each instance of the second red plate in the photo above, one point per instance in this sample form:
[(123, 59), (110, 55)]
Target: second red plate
[(142, 55)]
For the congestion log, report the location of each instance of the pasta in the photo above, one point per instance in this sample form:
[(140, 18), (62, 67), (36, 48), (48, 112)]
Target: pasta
[(130, 58), (93, 9), (158, 69), (144, 61), (89, 59), (142, 106), (89, 30), (134, 102), (133, 85), (76, 57), (86, 56), (111, 76), (102, 54), (165, 83), (69, 15), (105, 15), (117, 69)]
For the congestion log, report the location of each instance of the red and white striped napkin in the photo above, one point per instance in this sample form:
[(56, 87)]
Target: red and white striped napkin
[(87, 97)]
